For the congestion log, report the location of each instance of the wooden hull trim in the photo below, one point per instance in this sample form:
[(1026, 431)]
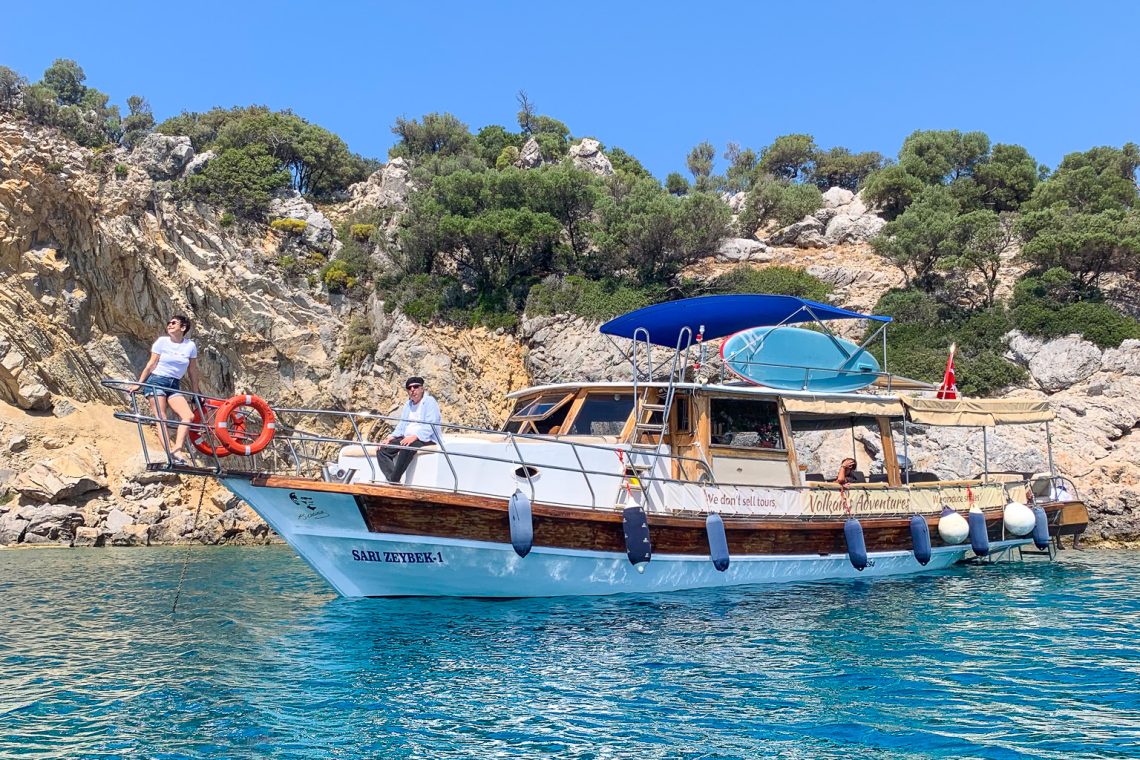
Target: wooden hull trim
[(397, 510)]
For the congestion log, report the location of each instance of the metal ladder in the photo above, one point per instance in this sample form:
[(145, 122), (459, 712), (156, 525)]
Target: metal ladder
[(647, 402)]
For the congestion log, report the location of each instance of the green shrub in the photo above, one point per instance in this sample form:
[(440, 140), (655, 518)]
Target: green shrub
[(776, 280), (292, 266), (592, 299), (491, 316), (362, 232), (53, 167), (986, 372), (777, 200), (1053, 303), (226, 220), (358, 343), (421, 297), (337, 277), (507, 157), (241, 180), (289, 226), (1097, 322), (121, 171), (919, 339)]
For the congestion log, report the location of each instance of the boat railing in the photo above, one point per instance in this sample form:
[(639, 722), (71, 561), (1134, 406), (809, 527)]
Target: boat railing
[(827, 373), (306, 443)]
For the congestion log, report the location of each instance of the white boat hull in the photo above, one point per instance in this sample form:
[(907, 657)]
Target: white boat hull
[(328, 532)]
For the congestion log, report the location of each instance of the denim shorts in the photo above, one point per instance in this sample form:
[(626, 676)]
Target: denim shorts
[(163, 386)]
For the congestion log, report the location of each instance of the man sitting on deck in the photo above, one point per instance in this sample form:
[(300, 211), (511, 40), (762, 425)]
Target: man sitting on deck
[(419, 426)]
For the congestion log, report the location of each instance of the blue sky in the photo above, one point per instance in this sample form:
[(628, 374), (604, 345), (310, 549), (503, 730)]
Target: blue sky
[(653, 78)]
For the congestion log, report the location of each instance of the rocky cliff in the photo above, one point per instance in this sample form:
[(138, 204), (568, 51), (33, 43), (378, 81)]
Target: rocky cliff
[(96, 251)]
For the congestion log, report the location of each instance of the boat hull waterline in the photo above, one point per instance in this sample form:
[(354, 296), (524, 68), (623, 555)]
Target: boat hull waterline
[(327, 531)]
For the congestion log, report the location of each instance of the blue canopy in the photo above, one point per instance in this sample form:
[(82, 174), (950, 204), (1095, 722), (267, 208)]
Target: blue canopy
[(723, 315)]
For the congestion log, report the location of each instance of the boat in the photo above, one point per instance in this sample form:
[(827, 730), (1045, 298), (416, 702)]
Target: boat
[(666, 481)]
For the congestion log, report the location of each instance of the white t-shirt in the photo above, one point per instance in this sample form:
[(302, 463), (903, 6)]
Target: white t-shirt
[(173, 358)]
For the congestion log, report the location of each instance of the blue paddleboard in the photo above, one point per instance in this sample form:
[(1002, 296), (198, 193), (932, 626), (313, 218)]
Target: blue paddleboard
[(793, 359)]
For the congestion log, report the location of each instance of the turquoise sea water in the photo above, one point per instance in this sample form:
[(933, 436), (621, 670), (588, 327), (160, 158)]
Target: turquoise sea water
[(262, 660)]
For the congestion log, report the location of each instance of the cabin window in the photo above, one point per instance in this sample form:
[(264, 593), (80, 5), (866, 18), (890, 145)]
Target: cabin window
[(745, 423), (681, 414), (822, 442), (545, 412), (552, 423), (602, 414)]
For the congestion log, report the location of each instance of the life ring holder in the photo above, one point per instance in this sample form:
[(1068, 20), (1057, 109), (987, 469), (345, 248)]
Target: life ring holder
[(200, 435), (224, 424)]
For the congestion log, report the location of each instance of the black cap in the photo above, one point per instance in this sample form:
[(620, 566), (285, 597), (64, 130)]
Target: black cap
[(413, 380)]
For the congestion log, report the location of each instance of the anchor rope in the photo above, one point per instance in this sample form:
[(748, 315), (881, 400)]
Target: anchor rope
[(186, 555)]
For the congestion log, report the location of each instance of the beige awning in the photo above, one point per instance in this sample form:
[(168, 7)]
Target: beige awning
[(900, 383), (976, 412), (868, 406)]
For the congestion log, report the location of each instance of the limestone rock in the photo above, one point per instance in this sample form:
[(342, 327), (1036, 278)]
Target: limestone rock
[(530, 156), (62, 407), (132, 535), (853, 229), (54, 521), (1064, 362), (74, 473), (1125, 359), (197, 164), (163, 156), (117, 519), (12, 529), (1022, 348), (837, 196), (565, 348), (587, 156), (17, 443), (803, 234), (34, 397), (318, 233), (88, 536), (386, 187), (742, 249)]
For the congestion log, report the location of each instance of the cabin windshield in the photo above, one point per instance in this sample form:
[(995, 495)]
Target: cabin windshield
[(602, 414)]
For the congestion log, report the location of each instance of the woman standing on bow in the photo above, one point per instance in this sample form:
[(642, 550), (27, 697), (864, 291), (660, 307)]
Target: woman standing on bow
[(172, 357)]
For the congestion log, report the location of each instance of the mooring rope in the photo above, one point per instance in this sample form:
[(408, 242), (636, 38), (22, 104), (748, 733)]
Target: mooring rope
[(186, 555)]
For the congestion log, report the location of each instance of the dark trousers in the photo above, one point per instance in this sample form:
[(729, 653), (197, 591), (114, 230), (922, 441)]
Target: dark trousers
[(394, 461)]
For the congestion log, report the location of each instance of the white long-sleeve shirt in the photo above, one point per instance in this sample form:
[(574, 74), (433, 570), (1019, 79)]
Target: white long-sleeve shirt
[(421, 420)]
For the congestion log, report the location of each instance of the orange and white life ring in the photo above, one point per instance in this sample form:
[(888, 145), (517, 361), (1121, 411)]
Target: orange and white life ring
[(227, 425), (200, 437)]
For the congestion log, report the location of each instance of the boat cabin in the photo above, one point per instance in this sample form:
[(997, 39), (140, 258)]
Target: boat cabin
[(746, 435)]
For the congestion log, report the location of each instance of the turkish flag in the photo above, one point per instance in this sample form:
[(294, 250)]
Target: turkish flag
[(949, 387)]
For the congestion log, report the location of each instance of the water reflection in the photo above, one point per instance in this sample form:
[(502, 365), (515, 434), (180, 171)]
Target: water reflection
[(261, 658)]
